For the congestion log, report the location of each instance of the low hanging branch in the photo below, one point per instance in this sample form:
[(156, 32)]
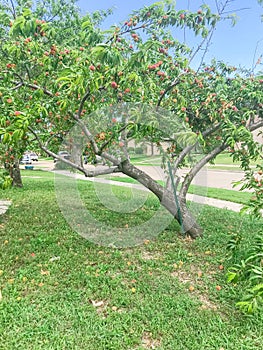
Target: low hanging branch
[(87, 173)]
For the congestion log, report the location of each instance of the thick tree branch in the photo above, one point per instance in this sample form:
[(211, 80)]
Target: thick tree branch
[(54, 155), (21, 83), (192, 173), (105, 171), (37, 87), (94, 145), (255, 126), (87, 133), (18, 86), (110, 158), (189, 148), (165, 197)]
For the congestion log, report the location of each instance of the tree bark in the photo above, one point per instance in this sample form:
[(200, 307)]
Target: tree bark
[(17, 178), (152, 149), (76, 154), (14, 173), (166, 198)]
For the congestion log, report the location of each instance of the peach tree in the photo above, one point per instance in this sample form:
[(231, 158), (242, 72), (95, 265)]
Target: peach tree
[(59, 69)]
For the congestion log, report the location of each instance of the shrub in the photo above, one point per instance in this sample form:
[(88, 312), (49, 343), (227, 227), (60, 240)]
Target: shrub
[(131, 150), (138, 150), (5, 180), (248, 271)]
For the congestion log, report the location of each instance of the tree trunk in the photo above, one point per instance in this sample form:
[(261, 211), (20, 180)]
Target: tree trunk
[(187, 221), (166, 198), (152, 149), (14, 173), (76, 154), (17, 179)]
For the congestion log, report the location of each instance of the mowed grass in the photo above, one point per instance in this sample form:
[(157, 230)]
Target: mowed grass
[(226, 158), (219, 162), (61, 291)]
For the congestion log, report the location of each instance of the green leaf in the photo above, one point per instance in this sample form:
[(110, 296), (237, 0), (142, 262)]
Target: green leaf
[(232, 277), (6, 138), (27, 12), (17, 135), (86, 24)]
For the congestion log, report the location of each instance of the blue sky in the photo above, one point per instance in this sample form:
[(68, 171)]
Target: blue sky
[(234, 45)]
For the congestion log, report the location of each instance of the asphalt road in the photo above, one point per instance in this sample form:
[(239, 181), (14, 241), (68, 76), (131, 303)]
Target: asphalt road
[(207, 177)]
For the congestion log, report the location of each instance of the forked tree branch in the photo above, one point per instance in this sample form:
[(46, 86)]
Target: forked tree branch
[(188, 149), (193, 172), (94, 145)]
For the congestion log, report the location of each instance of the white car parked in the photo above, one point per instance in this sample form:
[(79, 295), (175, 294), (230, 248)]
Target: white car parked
[(33, 157), (26, 159)]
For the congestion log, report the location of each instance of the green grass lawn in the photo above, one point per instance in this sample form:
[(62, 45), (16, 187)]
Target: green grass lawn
[(225, 158), (145, 160), (221, 160), (60, 291), (220, 193)]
